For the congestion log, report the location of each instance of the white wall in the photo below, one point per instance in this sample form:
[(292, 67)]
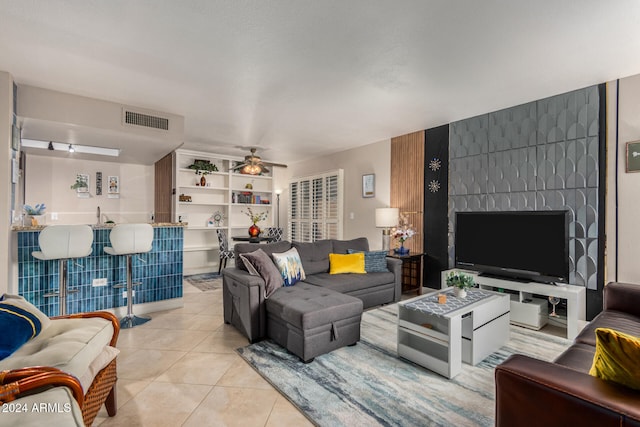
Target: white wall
[(6, 110), (628, 183), (48, 179), (372, 158)]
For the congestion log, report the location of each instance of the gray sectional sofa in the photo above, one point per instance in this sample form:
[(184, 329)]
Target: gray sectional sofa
[(244, 295)]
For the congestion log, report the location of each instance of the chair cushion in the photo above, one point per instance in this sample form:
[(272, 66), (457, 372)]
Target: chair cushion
[(70, 345), (53, 407), (290, 266), (616, 358), (346, 263), (20, 321)]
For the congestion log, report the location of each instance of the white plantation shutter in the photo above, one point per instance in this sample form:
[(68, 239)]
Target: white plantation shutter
[(315, 210)]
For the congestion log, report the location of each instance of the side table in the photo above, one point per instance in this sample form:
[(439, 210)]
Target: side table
[(411, 271)]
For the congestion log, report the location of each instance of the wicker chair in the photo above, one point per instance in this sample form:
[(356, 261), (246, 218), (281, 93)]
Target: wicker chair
[(225, 253), (103, 388)]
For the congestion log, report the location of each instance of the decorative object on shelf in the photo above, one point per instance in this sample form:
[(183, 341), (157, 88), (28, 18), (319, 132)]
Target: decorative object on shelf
[(461, 282), (33, 213), (203, 167), (435, 164), (554, 301), (114, 187), (203, 181), (402, 232), (217, 217), (254, 230), (385, 219), (184, 198), (248, 186), (434, 186), (368, 185), (442, 299)]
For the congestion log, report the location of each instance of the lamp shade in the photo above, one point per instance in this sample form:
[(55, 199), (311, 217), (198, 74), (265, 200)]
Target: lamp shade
[(387, 217)]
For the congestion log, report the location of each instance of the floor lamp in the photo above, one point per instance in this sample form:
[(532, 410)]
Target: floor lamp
[(385, 219), (278, 192)]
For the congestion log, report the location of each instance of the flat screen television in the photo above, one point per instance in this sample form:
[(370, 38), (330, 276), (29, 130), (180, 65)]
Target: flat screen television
[(525, 245)]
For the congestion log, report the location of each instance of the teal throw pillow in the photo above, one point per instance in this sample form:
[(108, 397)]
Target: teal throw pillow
[(18, 325), (290, 266), (374, 261)]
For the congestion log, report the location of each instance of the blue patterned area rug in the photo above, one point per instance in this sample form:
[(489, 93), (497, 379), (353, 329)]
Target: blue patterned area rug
[(368, 385), (205, 281)]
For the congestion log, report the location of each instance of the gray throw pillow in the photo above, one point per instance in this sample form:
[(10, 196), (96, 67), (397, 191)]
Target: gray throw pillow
[(374, 261), (262, 265)]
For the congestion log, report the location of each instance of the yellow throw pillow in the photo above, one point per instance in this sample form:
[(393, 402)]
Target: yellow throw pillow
[(616, 358), (349, 263)]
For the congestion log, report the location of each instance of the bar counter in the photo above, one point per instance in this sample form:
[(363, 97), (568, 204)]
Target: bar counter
[(160, 272)]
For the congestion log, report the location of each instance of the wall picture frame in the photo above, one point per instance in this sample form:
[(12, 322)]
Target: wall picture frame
[(633, 156), (368, 185)]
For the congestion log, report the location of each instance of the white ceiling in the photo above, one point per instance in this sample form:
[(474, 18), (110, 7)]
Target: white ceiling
[(303, 78)]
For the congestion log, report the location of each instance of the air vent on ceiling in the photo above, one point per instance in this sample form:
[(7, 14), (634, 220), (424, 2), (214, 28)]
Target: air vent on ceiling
[(146, 120)]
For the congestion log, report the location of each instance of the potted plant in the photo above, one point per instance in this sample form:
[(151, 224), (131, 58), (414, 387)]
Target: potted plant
[(33, 212), (203, 167), (80, 183), (460, 282)]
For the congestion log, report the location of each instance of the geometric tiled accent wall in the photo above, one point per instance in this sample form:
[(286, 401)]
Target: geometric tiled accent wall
[(538, 156), (159, 270)]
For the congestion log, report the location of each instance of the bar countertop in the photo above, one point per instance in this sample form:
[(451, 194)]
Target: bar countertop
[(96, 226)]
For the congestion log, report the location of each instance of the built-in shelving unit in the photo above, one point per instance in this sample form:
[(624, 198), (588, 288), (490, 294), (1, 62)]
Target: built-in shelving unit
[(226, 191)]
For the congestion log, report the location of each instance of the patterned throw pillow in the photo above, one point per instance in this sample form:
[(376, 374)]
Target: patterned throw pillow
[(374, 261), (290, 266)]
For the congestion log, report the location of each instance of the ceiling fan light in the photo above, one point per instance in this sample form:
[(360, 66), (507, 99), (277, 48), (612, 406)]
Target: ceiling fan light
[(251, 169)]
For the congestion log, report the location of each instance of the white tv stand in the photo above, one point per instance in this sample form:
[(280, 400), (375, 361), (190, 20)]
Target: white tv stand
[(575, 295)]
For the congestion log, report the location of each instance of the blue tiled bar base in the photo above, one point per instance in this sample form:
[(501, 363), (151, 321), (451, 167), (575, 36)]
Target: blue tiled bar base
[(160, 272)]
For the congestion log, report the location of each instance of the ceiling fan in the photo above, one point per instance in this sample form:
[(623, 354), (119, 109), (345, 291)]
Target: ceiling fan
[(253, 165)]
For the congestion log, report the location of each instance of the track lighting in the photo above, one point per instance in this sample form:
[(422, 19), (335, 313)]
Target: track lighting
[(50, 146), (71, 149)]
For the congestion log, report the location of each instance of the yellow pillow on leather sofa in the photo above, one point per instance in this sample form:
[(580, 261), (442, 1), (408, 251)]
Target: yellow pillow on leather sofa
[(616, 358), (349, 263)]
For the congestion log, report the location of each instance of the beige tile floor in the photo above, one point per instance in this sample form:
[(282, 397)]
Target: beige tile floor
[(181, 369)]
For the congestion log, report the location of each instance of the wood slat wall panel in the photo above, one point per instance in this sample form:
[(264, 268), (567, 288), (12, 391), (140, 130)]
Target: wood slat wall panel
[(163, 188), (407, 182)]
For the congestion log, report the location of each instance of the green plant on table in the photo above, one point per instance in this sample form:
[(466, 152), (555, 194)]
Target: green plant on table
[(460, 280)]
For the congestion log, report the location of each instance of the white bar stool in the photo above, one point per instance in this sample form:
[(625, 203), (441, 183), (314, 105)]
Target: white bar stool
[(62, 243), (128, 240)]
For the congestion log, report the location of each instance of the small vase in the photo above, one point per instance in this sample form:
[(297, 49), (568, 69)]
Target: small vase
[(254, 231), (401, 250), (203, 181), (460, 292)]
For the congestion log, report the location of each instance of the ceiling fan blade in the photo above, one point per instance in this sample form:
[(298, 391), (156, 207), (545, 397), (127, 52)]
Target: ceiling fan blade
[(263, 169), (280, 165)]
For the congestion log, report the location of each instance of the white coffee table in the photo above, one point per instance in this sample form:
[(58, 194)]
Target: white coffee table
[(440, 337)]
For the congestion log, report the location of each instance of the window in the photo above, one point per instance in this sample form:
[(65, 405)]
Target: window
[(315, 207)]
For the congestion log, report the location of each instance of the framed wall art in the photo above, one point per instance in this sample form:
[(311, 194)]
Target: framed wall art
[(368, 185), (633, 156)]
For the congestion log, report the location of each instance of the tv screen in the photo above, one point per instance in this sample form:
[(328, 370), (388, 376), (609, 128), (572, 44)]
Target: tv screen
[(529, 245)]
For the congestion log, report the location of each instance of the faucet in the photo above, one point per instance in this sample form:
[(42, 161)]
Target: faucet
[(99, 216)]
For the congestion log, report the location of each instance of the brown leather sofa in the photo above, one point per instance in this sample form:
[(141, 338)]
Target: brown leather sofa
[(531, 392)]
